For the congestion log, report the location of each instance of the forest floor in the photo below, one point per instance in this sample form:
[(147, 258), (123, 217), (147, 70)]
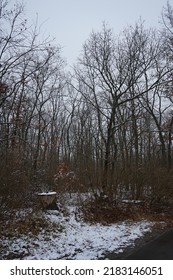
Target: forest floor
[(53, 235)]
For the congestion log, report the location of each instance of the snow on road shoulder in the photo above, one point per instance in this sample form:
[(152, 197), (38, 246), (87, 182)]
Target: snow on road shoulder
[(77, 240)]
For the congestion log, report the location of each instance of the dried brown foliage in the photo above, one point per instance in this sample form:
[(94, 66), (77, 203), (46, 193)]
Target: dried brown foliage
[(32, 223), (14, 181), (66, 179), (105, 211)]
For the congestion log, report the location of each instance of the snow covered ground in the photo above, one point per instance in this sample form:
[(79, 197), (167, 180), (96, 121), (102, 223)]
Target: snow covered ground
[(76, 240)]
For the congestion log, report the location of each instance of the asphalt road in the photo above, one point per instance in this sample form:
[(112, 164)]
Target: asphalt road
[(160, 248)]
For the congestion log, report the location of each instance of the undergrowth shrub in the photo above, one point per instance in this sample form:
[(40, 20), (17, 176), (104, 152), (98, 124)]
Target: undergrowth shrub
[(150, 182), (105, 211), (14, 181), (66, 180), (32, 223)]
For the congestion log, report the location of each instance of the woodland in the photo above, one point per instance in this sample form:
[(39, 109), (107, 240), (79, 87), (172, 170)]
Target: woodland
[(105, 127)]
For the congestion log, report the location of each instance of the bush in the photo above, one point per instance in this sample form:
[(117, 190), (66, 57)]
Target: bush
[(106, 211), (14, 181), (66, 179)]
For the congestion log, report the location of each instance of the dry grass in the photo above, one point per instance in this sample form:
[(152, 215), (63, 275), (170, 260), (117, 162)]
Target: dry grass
[(106, 212), (30, 224)]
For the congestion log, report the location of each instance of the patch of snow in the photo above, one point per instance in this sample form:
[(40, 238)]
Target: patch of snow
[(77, 240), (132, 201), (46, 193)]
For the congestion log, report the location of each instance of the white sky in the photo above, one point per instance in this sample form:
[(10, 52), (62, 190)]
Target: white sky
[(71, 21)]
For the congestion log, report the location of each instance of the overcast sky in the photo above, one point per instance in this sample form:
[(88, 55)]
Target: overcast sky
[(71, 21)]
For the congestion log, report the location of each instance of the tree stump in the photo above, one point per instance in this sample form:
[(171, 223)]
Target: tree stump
[(48, 200)]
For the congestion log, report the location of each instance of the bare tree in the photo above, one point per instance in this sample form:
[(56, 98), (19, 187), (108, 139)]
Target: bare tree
[(111, 74), (31, 79)]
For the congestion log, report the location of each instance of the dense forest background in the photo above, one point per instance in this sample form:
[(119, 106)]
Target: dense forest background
[(105, 126)]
